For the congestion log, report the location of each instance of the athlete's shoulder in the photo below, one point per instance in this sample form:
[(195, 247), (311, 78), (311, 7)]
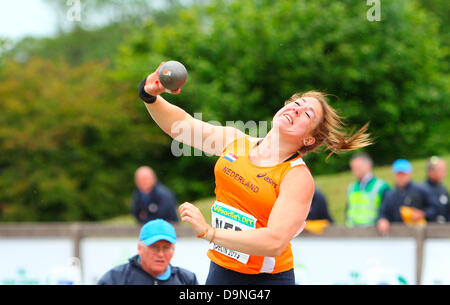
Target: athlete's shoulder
[(298, 181), (295, 168), (299, 173)]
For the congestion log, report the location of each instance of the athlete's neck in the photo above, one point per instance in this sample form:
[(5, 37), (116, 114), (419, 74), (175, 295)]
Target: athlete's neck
[(272, 150)]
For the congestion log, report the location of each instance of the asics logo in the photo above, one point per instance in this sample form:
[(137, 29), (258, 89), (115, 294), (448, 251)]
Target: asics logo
[(267, 179)]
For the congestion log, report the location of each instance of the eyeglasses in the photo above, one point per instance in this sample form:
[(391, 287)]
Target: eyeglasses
[(157, 249)]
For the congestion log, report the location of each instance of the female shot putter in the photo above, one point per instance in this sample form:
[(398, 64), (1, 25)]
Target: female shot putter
[(173, 75)]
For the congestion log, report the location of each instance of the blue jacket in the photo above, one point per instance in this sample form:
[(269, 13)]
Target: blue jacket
[(412, 195), (440, 194), (160, 203), (132, 274)]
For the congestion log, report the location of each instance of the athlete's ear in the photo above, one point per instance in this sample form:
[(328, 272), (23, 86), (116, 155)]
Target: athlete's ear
[(309, 141)]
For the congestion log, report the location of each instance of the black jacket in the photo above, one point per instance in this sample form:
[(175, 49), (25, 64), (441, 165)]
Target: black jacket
[(132, 274), (412, 195), (319, 207), (440, 195), (160, 203)]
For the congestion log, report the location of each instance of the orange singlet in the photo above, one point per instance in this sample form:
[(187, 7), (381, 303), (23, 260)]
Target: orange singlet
[(245, 195)]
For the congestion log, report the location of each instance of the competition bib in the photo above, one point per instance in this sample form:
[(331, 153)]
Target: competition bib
[(229, 218)]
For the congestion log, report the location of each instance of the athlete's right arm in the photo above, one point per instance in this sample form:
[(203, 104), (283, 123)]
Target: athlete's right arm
[(184, 128)]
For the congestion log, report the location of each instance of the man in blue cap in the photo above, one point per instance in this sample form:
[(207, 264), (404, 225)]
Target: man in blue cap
[(406, 193), (151, 266)]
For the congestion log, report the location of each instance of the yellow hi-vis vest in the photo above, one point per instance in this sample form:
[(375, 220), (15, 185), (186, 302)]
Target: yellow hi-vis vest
[(363, 204)]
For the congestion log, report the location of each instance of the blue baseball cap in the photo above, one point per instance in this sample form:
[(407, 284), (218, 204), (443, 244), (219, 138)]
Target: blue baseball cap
[(401, 165), (156, 230)]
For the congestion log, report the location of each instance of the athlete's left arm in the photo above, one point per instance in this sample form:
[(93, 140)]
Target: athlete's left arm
[(286, 219), (291, 209)]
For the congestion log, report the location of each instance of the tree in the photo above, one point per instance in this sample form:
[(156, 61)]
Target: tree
[(71, 139), (246, 58)]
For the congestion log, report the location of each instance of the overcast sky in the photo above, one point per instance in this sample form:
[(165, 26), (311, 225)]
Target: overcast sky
[(19, 18)]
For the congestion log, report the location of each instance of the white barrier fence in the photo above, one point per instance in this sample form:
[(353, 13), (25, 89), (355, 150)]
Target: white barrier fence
[(81, 253)]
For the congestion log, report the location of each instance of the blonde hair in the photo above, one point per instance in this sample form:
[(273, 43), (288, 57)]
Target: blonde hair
[(330, 131)]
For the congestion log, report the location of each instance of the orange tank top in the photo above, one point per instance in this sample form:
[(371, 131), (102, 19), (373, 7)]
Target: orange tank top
[(245, 195)]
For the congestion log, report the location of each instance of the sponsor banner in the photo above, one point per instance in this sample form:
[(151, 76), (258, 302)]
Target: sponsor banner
[(37, 261), (436, 262), (317, 260), (358, 261), (98, 255)]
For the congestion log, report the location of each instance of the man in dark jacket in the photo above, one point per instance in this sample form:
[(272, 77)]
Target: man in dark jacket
[(436, 172), (319, 207), (151, 266), (151, 199), (406, 193)]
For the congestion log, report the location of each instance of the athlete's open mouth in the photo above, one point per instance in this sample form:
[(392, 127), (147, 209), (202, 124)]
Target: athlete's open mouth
[(288, 117)]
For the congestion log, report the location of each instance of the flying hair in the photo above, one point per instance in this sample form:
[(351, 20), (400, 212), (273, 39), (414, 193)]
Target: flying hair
[(331, 131)]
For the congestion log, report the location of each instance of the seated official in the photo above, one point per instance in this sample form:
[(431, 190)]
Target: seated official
[(151, 266)]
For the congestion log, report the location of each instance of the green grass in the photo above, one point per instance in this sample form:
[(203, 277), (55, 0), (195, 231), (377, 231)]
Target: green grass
[(333, 186)]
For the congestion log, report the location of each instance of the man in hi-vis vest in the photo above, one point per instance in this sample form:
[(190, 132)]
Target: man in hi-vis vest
[(364, 196)]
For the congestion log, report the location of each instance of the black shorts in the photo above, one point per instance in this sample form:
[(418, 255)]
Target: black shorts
[(221, 276)]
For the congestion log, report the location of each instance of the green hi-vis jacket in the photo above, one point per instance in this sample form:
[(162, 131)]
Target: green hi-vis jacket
[(363, 204)]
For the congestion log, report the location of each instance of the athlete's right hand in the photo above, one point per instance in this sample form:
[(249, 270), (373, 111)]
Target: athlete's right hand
[(154, 87), (191, 214)]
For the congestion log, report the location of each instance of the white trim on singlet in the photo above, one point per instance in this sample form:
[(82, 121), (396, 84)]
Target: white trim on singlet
[(299, 161), (268, 265)]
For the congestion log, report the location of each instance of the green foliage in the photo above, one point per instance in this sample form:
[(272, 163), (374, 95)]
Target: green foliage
[(68, 142), (246, 57), (440, 9)]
